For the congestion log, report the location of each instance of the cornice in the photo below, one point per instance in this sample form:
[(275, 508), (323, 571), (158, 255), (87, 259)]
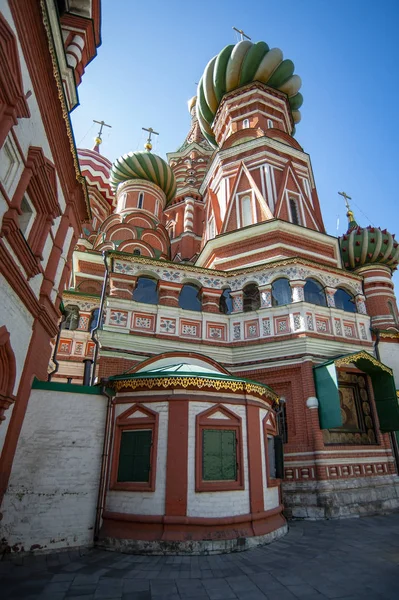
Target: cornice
[(61, 95), (233, 273)]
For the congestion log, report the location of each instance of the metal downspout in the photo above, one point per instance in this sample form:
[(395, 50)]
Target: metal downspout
[(54, 359), (104, 461), (100, 318)]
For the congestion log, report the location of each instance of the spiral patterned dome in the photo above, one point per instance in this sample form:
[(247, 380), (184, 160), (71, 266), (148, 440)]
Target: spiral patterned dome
[(369, 246), (240, 64), (144, 165)]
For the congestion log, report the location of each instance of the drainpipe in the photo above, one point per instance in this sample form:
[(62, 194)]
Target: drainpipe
[(87, 371), (100, 318), (104, 461), (57, 341), (394, 441)]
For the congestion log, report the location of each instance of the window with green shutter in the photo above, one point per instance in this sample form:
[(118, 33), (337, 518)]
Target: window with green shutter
[(219, 455), (135, 456)]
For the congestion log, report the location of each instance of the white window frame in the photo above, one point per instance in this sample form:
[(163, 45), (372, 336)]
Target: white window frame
[(239, 207), (245, 124), (140, 200), (270, 124)]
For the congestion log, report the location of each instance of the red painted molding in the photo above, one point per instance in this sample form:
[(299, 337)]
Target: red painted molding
[(7, 372), (177, 459), (254, 460), (203, 521)]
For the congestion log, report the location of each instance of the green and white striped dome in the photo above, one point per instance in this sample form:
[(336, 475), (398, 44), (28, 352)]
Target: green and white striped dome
[(144, 165), (240, 64)]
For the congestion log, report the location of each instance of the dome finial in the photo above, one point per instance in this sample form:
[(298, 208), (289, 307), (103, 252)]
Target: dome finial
[(98, 140), (148, 145), (242, 34), (349, 213)]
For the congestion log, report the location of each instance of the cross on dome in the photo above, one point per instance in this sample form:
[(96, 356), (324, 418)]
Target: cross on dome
[(98, 139), (242, 34), (148, 145)]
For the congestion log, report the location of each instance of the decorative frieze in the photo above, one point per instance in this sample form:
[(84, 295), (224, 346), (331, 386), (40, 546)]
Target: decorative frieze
[(167, 325), (236, 331), (266, 328), (118, 318)]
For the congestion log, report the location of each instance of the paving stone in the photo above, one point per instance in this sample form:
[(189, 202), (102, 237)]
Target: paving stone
[(355, 559)]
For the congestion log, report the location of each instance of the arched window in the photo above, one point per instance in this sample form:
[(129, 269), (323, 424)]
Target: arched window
[(246, 211), (245, 124), (314, 293), (189, 297), (94, 319), (71, 317), (281, 292), (294, 212), (146, 291), (226, 302), (344, 301), (140, 200), (269, 124), (251, 297)]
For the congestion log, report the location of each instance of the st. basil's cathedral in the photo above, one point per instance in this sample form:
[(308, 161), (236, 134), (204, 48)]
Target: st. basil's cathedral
[(221, 363)]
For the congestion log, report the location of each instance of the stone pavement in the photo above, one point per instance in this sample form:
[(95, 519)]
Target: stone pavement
[(352, 559)]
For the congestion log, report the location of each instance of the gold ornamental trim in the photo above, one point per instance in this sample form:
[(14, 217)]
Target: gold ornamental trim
[(388, 334), (199, 382), (65, 112), (78, 297), (347, 360)]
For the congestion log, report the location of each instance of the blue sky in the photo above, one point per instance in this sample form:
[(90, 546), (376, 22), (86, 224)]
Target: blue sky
[(346, 53)]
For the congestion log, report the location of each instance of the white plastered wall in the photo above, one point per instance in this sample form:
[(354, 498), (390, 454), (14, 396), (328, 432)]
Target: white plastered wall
[(18, 320), (389, 355), (145, 503), (51, 499), (215, 504)]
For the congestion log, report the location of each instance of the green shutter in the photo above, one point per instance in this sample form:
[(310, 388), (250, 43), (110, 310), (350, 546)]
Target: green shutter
[(279, 456), (219, 455), (328, 397), (386, 400), (134, 456)]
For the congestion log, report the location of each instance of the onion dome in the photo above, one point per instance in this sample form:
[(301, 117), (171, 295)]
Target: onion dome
[(368, 246), (96, 169), (147, 166), (240, 64)]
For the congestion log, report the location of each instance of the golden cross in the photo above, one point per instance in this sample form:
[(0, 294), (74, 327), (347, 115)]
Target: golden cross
[(345, 195), (102, 124), (242, 34)]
